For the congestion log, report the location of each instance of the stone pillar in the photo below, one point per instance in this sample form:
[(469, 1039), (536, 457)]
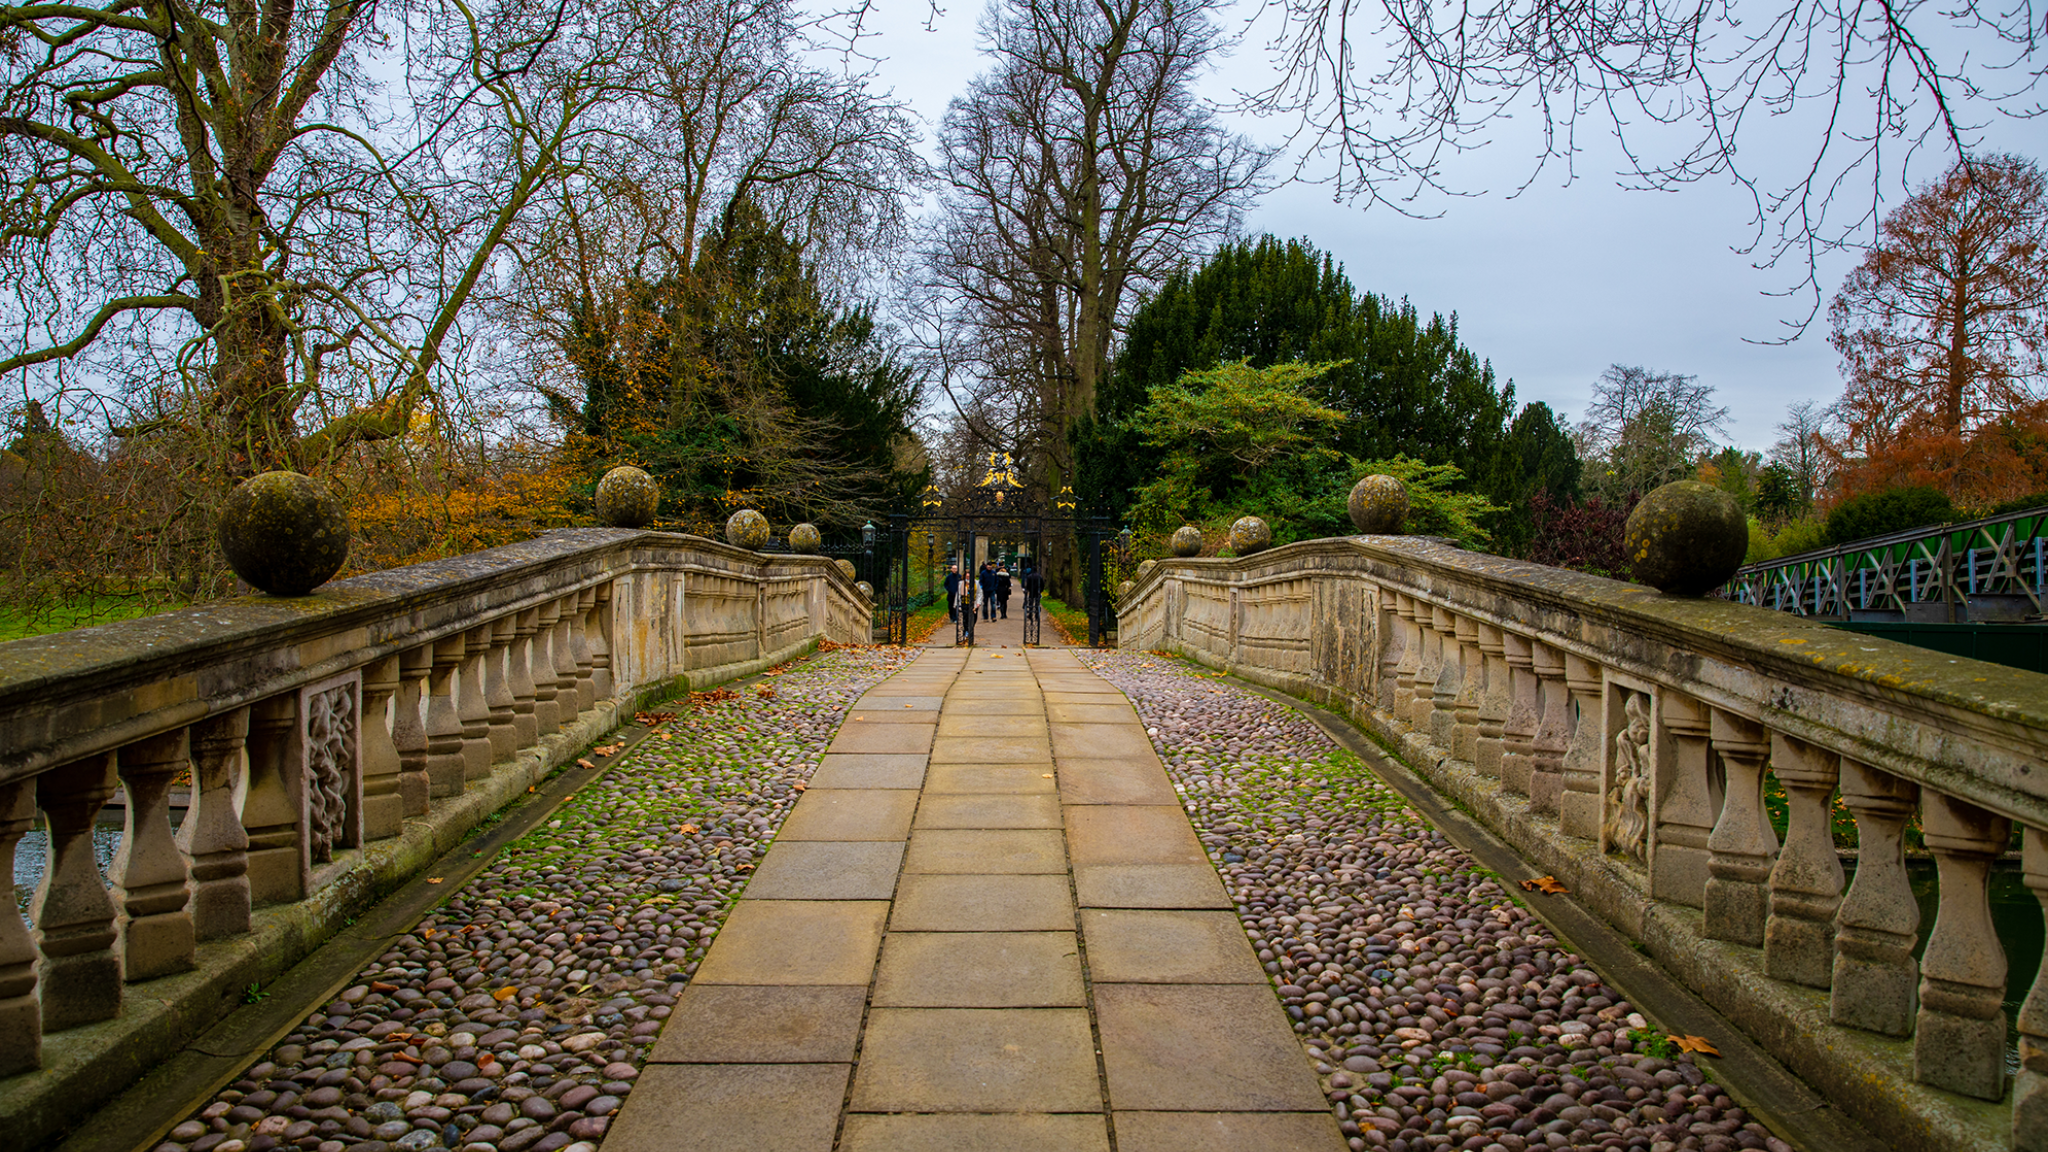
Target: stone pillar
[(21, 1014), (151, 885), (568, 704), (73, 911), (1553, 732), (1876, 980), (1742, 847), (409, 732), (1806, 883), (273, 811), (1493, 702), (1393, 636), (446, 764), (472, 704), (2030, 1089), (1471, 686), (600, 644), (1685, 802), (1443, 703), (498, 690), (1959, 1037), (579, 650), (212, 837), (1583, 803), (519, 679), (1518, 734), (1410, 663), (547, 716), (383, 807), (1428, 671)]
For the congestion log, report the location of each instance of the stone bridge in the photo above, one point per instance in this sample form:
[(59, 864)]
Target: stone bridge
[(282, 767)]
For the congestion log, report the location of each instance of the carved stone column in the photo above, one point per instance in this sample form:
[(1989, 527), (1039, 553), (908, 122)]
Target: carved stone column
[(1518, 734), (568, 703), (1493, 702), (1471, 686), (21, 1014), (1443, 703), (331, 750), (1742, 846), (579, 650), (1876, 979), (498, 690), (151, 886), (1553, 731), (1582, 805), (1686, 802), (273, 812), (1806, 883), (2030, 1089), (547, 715), (1409, 663), (212, 836), (383, 807), (1428, 671), (1959, 1037), (73, 911), (446, 764), (409, 731), (519, 678), (472, 704), (601, 682)]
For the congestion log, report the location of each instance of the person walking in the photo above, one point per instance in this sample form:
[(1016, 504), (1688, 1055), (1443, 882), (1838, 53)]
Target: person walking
[(953, 593), (1003, 592), (1034, 587), (987, 579)]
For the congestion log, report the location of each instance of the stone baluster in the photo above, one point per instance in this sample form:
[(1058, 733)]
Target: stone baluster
[(73, 911), (383, 807), (1583, 803), (1428, 671), (473, 705), (1959, 1036), (1518, 734), (2030, 1089), (1409, 666), (1493, 702), (498, 692), (1876, 980), (1806, 882), (409, 731), (1553, 731), (579, 650), (1442, 722), (21, 1014), (1687, 802), (601, 682), (1393, 646), (1742, 847), (273, 811), (212, 837), (1471, 686), (519, 669), (446, 764), (151, 884), (547, 716), (568, 704)]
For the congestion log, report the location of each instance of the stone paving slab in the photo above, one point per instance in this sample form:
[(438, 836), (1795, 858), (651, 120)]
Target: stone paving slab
[(869, 770), (979, 970), (911, 738), (1183, 946), (937, 902), (1102, 740), (985, 810), (733, 1108), (977, 778), (991, 750), (1090, 714), (828, 870), (1087, 783), (740, 1024), (1132, 834), (978, 1060), (995, 705), (1201, 1048), (851, 814), (967, 1132), (971, 724), (1149, 886), (987, 850), (1225, 1131), (796, 942)]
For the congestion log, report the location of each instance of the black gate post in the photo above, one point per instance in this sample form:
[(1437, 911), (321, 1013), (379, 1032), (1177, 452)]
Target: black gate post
[(899, 596), (1098, 529)]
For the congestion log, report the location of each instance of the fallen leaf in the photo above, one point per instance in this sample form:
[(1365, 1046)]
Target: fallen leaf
[(1698, 1044), (687, 829), (505, 993), (380, 986), (1548, 885), (1047, 776), (433, 879), (585, 764), (906, 705), (799, 786)]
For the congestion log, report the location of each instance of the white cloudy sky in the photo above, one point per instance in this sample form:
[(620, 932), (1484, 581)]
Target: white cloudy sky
[(1552, 285)]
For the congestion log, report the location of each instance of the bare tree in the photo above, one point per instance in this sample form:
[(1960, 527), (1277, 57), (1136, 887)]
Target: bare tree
[(1645, 428), (1800, 451)]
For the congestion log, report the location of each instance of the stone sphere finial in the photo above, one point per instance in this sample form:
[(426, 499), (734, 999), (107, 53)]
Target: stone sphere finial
[(845, 568), (866, 589), (284, 533), (1187, 540), (627, 497), (1686, 538), (1123, 590), (1379, 505), (1250, 534), (747, 529), (804, 539)]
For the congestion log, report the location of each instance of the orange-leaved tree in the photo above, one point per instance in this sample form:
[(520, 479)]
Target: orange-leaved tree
[(1942, 331)]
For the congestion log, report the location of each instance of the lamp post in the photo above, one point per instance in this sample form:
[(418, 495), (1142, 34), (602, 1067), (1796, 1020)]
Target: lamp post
[(930, 543), (867, 546)]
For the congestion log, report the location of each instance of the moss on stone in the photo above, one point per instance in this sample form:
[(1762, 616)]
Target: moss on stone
[(804, 539), (747, 529), (1379, 505), (1250, 534), (1187, 540), (627, 497), (1686, 538), (284, 533)]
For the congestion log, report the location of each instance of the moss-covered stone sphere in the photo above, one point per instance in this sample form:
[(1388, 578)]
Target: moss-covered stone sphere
[(1124, 589), (1379, 505), (866, 589), (1187, 540), (1250, 534), (1145, 567), (747, 529), (627, 497), (804, 539), (845, 568), (284, 533), (1686, 538)]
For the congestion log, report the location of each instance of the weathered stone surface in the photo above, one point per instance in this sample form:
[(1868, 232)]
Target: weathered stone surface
[(1123, 588), (627, 497), (1379, 505), (1686, 538), (1250, 534), (284, 533), (804, 539), (1187, 540), (866, 589), (748, 529), (845, 568)]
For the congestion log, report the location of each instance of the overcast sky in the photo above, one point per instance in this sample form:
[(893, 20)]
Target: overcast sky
[(1551, 286)]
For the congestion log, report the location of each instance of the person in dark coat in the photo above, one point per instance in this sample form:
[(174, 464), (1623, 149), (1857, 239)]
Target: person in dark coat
[(1034, 587), (987, 579), (1003, 592), (953, 592)]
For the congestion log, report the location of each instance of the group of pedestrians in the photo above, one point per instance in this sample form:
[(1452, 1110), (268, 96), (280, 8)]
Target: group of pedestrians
[(994, 581)]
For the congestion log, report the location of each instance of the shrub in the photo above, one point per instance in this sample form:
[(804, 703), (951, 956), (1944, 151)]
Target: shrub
[(1892, 510)]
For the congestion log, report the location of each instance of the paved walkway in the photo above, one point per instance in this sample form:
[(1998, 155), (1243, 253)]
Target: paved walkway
[(986, 926)]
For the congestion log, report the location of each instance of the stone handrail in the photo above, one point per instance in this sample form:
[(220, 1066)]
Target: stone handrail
[(1619, 738), (314, 728)]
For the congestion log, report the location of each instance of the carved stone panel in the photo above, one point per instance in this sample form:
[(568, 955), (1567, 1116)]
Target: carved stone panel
[(330, 750), (1626, 824)]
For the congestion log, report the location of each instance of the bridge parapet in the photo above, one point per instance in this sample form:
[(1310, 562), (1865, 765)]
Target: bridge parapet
[(1620, 738), (323, 747)]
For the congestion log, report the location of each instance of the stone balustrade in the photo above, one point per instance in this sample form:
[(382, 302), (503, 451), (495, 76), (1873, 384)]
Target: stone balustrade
[(306, 739), (1619, 738)]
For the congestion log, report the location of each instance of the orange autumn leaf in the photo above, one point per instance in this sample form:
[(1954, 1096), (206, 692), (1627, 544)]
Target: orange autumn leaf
[(1548, 885), (505, 993), (799, 786), (687, 829), (1698, 1044), (585, 764), (433, 879)]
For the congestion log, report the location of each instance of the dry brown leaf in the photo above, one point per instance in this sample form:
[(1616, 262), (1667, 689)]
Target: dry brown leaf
[(799, 785), (687, 829), (433, 879), (505, 993), (582, 763), (1699, 1044), (1548, 885)]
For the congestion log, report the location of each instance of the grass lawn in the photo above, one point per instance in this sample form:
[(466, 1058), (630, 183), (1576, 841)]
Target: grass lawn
[(15, 623)]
